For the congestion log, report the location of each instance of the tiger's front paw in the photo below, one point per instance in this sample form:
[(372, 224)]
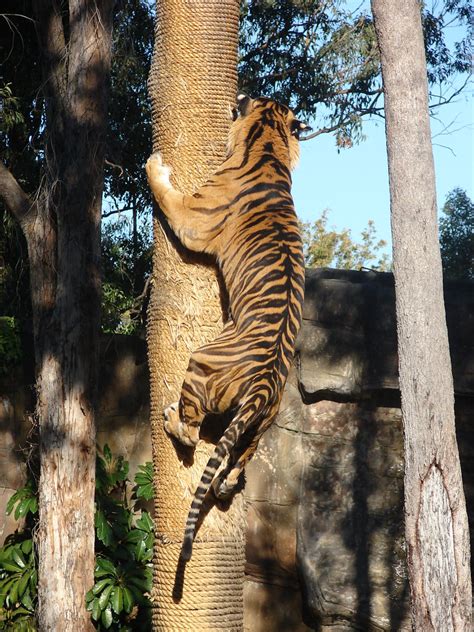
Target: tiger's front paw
[(158, 173), (175, 427)]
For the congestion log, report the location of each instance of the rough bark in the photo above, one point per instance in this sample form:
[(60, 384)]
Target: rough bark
[(435, 513), (62, 230), (193, 81)]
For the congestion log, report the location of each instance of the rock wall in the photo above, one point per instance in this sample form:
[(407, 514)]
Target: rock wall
[(324, 493), (325, 490)]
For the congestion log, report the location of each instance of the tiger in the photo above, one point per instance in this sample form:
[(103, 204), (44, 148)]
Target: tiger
[(244, 216)]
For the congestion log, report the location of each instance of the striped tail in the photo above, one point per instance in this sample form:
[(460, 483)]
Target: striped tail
[(221, 450), (249, 414)]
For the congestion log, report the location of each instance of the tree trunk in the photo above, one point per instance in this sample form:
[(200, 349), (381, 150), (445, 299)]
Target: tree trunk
[(435, 512), (62, 229), (193, 81)]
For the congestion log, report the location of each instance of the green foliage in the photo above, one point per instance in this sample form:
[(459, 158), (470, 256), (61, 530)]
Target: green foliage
[(124, 548), (18, 581), (322, 58), (456, 235), (10, 109), (24, 501), (10, 344), (126, 257), (325, 247), (128, 144), (124, 543), (144, 482), (129, 131)]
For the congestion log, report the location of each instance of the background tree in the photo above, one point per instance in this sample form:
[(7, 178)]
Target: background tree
[(436, 525), (322, 59), (127, 145), (328, 247), (59, 215), (456, 234)]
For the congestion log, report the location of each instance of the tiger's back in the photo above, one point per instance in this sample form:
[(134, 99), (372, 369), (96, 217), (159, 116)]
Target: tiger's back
[(244, 215)]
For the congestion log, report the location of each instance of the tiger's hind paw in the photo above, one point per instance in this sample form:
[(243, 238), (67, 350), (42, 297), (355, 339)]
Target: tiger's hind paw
[(222, 488)]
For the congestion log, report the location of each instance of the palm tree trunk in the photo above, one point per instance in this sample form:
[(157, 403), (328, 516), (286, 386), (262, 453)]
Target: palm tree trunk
[(193, 81)]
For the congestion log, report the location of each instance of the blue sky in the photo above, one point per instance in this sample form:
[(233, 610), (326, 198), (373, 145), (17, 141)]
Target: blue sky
[(353, 183)]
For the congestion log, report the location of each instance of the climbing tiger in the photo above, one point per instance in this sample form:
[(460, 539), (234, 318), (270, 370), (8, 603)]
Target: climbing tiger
[(244, 216)]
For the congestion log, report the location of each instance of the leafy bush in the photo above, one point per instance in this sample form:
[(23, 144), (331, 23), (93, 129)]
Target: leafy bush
[(124, 543)]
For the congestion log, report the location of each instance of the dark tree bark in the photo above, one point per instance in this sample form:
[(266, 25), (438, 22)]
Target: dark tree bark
[(435, 513), (62, 229)]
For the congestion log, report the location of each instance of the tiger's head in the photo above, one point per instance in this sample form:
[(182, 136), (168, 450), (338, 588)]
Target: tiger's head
[(256, 119)]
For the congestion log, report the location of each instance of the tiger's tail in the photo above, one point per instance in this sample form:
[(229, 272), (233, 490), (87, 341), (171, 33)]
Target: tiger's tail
[(238, 425)]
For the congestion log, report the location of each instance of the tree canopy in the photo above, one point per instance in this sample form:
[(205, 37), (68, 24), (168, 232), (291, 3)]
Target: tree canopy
[(322, 58), (326, 246), (456, 235)]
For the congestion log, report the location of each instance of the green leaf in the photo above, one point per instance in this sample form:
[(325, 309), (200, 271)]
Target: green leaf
[(13, 595), (105, 566), (18, 557), (116, 600), (22, 508), (145, 522), (128, 600), (104, 597), (100, 585), (5, 589), (140, 551), (33, 505), (27, 601), (134, 536), (34, 581), (144, 491), (9, 566), (107, 453), (144, 482), (89, 599), (138, 582), (23, 583), (96, 610), (107, 618), (27, 546), (138, 596), (103, 529)]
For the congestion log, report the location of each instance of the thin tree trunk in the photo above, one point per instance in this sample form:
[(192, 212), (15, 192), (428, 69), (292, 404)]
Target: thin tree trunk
[(435, 513), (193, 82), (62, 229)]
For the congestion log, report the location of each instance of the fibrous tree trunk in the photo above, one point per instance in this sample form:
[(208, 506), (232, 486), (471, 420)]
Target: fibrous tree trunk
[(193, 83), (61, 224), (435, 513)]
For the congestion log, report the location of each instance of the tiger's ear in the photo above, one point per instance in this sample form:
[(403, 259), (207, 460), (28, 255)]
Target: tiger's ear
[(299, 126), (244, 104)]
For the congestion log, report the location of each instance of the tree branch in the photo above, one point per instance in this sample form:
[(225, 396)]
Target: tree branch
[(15, 199)]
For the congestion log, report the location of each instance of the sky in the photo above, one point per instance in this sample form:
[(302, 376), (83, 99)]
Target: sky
[(353, 184)]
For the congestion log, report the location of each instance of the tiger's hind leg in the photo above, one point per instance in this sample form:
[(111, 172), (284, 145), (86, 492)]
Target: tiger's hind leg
[(200, 395), (229, 480)]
